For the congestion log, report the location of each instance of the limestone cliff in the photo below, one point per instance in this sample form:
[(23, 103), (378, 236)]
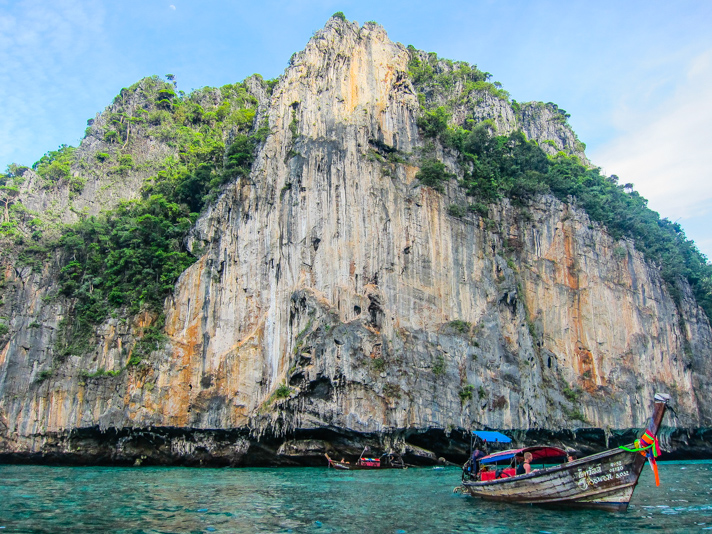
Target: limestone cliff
[(335, 299)]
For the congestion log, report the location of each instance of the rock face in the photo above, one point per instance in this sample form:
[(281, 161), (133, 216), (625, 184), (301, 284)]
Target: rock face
[(336, 302), (98, 163)]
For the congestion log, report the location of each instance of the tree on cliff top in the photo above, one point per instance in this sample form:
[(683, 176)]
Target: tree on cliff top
[(8, 194)]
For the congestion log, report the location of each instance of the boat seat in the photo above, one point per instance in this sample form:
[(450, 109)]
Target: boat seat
[(488, 475)]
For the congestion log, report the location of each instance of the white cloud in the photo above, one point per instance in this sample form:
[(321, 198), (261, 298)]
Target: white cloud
[(41, 46), (172, 7), (665, 151)]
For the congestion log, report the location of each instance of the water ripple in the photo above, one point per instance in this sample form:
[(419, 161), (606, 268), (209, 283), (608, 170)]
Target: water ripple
[(39, 500)]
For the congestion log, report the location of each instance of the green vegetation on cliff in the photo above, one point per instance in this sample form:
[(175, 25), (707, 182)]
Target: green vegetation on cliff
[(55, 169), (510, 166), (128, 258), (498, 166), (435, 77)]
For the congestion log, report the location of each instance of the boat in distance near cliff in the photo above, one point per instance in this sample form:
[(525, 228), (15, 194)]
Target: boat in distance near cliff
[(389, 460), (605, 480)]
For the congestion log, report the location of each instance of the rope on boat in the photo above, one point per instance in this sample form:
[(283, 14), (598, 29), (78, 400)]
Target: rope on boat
[(643, 444), (649, 447)]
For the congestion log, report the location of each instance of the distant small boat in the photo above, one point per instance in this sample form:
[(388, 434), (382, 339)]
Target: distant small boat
[(389, 460), (605, 480)]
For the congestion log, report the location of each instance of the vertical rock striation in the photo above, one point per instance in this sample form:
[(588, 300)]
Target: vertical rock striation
[(335, 296)]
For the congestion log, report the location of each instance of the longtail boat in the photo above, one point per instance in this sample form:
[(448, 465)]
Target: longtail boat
[(390, 460), (605, 480)]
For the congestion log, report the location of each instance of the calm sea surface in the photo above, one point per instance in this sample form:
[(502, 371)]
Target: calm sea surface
[(156, 500)]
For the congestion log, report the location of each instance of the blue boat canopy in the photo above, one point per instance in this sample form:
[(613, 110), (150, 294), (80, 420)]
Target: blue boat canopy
[(492, 437)]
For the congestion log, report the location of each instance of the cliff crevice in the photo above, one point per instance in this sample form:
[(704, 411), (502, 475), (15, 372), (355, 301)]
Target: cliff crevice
[(335, 300)]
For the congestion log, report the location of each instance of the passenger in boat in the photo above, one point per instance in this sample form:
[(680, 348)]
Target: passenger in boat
[(519, 460), (527, 462), (475, 460), (472, 466), (571, 457)]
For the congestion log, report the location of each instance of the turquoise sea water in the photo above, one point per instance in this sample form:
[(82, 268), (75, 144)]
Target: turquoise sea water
[(39, 499)]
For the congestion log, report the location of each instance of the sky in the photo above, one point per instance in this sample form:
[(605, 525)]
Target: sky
[(636, 76)]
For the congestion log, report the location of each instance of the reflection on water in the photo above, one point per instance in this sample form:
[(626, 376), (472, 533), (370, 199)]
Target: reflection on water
[(37, 499)]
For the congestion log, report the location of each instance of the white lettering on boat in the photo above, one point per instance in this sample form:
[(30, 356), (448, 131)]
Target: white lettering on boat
[(593, 475), (602, 478), (590, 471)]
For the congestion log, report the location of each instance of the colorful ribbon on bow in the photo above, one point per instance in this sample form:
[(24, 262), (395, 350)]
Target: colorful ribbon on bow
[(649, 447)]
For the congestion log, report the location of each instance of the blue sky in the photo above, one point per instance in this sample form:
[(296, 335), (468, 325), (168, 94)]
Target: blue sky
[(635, 76)]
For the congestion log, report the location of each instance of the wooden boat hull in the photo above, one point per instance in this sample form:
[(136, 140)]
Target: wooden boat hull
[(605, 481)]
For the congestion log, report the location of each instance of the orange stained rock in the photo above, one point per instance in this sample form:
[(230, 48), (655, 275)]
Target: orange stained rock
[(352, 79), (571, 275), (107, 342), (587, 368), (144, 319), (180, 385), (410, 172), (186, 342), (3, 354), (388, 77), (380, 105)]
